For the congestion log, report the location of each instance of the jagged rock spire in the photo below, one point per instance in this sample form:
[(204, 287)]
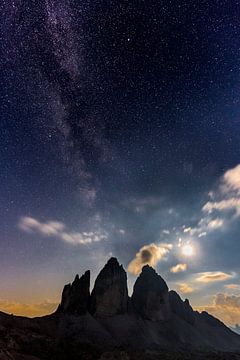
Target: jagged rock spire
[(75, 296), (110, 294)]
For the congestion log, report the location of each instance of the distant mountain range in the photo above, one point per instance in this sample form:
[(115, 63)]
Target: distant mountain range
[(108, 324)]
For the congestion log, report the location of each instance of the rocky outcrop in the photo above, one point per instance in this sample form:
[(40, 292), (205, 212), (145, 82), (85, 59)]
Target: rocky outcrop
[(181, 308), (150, 296), (76, 296), (110, 294)]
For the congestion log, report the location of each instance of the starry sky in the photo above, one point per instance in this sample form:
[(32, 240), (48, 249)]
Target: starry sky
[(119, 136)]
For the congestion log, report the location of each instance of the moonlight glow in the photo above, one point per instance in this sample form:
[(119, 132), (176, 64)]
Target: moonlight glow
[(187, 250)]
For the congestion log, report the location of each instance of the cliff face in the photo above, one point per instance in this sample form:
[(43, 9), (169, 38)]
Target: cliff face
[(110, 294)]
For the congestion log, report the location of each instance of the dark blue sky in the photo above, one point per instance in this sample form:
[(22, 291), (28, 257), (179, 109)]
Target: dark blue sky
[(119, 120)]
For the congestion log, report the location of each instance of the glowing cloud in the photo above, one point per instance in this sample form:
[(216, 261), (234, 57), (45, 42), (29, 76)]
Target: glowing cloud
[(207, 277), (215, 224), (178, 268), (225, 307), (185, 288), (148, 254)]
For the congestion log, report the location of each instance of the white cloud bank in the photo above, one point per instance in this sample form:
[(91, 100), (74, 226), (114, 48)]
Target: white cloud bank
[(58, 229)]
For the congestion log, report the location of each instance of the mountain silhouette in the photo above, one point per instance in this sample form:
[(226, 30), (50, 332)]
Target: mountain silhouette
[(86, 325)]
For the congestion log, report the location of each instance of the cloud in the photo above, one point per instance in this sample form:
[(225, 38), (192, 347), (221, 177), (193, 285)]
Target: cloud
[(49, 228), (231, 180), (223, 205), (207, 277), (36, 309), (57, 229), (185, 288), (178, 268), (228, 193), (225, 200), (225, 307), (148, 254), (215, 224), (82, 238), (232, 286), (202, 234), (205, 225), (227, 300)]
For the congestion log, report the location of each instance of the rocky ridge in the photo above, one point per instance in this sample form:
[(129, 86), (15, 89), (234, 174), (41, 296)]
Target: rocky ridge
[(107, 318)]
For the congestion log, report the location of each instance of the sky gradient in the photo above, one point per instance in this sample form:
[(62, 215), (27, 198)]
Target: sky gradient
[(119, 135)]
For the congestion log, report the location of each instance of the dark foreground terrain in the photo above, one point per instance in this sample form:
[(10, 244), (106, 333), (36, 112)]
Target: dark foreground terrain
[(107, 324)]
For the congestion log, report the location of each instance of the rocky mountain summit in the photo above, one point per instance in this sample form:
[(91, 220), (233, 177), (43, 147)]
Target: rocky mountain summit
[(75, 296), (107, 319), (110, 293), (150, 296)]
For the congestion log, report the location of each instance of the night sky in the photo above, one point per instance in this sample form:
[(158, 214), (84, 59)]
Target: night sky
[(120, 136)]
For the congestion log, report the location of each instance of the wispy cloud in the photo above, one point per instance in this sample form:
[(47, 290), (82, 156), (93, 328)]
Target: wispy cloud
[(223, 206), (227, 195), (178, 268), (58, 229), (148, 254), (49, 228), (212, 276)]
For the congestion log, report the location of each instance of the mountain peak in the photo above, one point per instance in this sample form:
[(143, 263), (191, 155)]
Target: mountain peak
[(75, 296), (113, 261), (150, 295), (110, 294), (154, 280)]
